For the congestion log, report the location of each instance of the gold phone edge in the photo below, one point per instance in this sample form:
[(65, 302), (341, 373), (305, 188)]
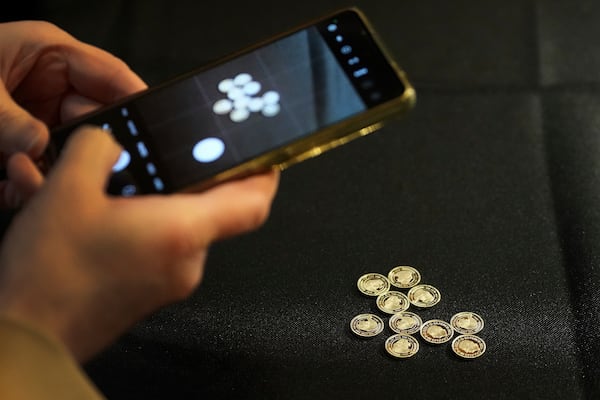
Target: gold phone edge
[(330, 137)]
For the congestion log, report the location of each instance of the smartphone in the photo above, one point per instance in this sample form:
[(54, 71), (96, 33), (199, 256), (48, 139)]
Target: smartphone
[(277, 103)]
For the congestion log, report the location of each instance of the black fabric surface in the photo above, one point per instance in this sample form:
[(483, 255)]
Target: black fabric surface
[(490, 188)]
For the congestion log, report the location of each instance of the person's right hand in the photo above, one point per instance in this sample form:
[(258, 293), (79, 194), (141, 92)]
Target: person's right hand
[(83, 266)]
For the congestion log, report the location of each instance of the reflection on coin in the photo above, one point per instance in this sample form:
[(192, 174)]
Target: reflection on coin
[(367, 325), (424, 296), (467, 323), (405, 322), (436, 331), (392, 302), (402, 346), (373, 284), (404, 277), (468, 346)]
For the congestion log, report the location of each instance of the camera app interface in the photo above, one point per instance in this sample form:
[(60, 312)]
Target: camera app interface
[(187, 132)]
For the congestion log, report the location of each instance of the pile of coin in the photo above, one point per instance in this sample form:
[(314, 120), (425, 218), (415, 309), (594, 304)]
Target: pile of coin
[(405, 323)]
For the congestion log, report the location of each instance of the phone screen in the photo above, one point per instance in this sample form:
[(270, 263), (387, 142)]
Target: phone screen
[(188, 130)]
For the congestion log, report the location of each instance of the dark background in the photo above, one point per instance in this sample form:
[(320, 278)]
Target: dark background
[(490, 188)]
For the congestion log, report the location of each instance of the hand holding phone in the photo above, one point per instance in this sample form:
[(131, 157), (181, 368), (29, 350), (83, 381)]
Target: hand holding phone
[(272, 105)]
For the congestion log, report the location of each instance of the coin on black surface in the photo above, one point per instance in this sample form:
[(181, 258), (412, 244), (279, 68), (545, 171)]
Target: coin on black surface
[(436, 331), (405, 323), (373, 284), (366, 325), (467, 323), (404, 277), (392, 302), (402, 346), (424, 296), (468, 346)]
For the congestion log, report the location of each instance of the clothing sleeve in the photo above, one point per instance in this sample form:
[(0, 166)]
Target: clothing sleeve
[(33, 366)]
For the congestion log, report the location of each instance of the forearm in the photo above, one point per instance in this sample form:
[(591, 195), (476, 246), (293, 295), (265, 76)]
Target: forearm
[(33, 366)]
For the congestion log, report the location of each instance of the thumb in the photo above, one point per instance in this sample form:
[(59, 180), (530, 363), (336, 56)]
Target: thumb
[(87, 159), (19, 130)]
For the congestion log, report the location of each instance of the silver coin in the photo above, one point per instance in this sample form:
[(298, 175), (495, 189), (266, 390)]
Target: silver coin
[(467, 323), (468, 346), (392, 302), (367, 325), (373, 284), (271, 110), (402, 346), (404, 277), (436, 331), (424, 296), (405, 323)]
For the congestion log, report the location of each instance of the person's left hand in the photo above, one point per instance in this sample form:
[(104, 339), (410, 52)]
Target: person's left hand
[(48, 77)]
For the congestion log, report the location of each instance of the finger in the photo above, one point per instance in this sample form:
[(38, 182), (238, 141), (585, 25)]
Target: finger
[(99, 75), (177, 230), (75, 105), (24, 181), (20, 132), (90, 71), (24, 176), (87, 160), (196, 220), (239, 206)]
